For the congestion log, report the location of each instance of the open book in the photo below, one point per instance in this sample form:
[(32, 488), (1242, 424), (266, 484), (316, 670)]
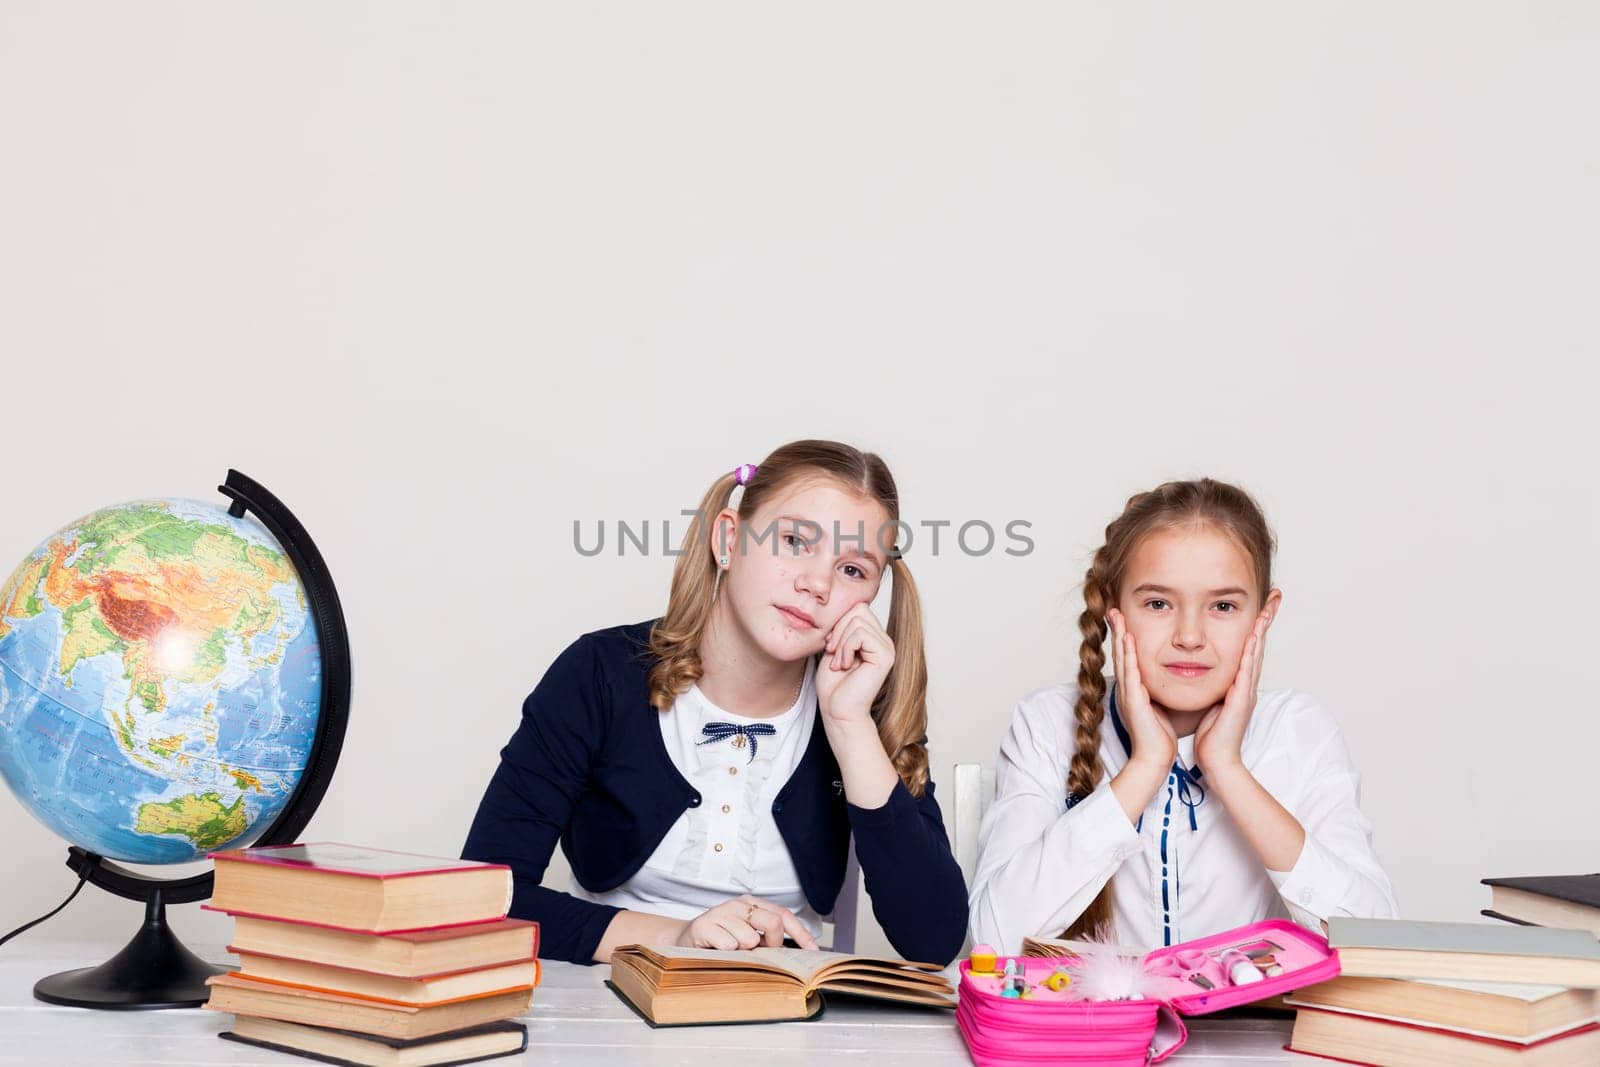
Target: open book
[(673, 986)]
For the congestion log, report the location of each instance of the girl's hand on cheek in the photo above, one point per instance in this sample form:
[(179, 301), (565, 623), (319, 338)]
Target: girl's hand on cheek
[(1218, 738), (855, 660), (1154, 739)]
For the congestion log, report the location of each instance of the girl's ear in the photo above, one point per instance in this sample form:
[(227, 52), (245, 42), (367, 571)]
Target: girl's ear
[(1270, 608), (724, 533)]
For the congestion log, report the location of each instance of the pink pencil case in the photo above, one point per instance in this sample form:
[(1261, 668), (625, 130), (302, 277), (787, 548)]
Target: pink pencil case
[(1047, 1026)]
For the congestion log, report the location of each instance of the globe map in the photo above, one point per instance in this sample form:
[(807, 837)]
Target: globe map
[(160, 681)]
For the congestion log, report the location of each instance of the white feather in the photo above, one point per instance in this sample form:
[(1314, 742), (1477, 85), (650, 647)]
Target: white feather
[(1101, 972)]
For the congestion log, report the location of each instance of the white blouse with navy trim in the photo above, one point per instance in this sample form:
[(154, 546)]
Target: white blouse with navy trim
[(1041, 861)]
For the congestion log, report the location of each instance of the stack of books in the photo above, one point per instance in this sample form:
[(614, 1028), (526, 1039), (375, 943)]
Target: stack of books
[(1454, 993), (364, 956)]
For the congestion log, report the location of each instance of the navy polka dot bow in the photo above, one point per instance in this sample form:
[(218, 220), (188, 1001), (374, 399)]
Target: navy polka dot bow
[(721, 731)]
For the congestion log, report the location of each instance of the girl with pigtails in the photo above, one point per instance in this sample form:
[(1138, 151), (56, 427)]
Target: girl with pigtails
[(705, 772), (1177, 801)]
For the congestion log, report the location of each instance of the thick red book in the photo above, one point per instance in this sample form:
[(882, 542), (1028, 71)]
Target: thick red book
[(351, 887), (1363, 1039), (408, 954)]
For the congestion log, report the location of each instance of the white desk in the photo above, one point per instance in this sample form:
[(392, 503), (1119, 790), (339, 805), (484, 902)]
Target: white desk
[(575, 1020)]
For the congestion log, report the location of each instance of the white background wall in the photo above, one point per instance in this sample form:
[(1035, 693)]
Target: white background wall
[(448, 277)]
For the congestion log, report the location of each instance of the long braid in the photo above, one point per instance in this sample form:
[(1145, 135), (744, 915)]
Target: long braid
[(1084, 774)]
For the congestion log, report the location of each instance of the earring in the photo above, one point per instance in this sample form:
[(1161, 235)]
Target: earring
[(724, 561)]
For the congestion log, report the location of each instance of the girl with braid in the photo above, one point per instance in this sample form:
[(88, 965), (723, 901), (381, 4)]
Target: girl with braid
[(1174, 800), (706, 772)]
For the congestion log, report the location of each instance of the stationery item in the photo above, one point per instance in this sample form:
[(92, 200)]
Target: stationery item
[(1364, 1039), (414, 954), (1570, 901), (358, 888), (1087, 1021), (244, 996), (1187, 965), (348, 1047), (423, 992), (983, 959), (673, 986), (1013, 985), (1240, 971), (1394, 948)]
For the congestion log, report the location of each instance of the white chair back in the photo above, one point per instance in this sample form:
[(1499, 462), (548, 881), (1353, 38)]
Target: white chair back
[(974, 790), (847, 905)]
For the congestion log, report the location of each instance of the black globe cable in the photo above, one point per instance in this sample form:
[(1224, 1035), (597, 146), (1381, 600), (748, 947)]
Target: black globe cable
[(25, 927)]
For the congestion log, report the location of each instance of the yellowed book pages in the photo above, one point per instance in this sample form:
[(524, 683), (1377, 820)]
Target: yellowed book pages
[(1362, 1039), (672, 985), (241, 996), (419, 991), (1504, 1009), (353, 1048), (402, 955)]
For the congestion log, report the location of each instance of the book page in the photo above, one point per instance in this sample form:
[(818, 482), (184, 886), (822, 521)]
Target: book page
[(1052, 947), (802, 964), (879, 991)]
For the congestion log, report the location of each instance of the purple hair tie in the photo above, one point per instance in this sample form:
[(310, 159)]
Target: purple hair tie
[(744, 472)]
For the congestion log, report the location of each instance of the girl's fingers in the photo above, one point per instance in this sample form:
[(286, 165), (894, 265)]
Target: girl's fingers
[(1130, 658), (841, 653), (770, 925), (789, 924), (793, 927), (849, 639), (839, 627), (862, 633), (797, 930), (711, 934), (1116, 646), (744, 935), (1246, 666), (857, 615), (833, 634)]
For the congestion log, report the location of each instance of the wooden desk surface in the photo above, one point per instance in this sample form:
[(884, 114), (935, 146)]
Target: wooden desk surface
[(575, 1020)]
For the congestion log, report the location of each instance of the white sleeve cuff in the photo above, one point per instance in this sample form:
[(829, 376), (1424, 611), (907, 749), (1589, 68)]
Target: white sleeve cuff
[(1104, 828), (1319, 885)]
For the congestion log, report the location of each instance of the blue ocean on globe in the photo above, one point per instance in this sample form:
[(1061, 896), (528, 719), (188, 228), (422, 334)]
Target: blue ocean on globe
[(160, 681)]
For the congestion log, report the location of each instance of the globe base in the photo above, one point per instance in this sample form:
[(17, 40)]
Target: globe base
[(153, 970)]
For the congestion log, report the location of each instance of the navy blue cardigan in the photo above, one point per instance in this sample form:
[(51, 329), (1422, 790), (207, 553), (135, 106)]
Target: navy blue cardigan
[(587, 765)]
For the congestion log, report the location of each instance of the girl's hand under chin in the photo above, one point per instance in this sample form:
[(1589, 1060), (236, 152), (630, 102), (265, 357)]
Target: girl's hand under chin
[(855, 661)]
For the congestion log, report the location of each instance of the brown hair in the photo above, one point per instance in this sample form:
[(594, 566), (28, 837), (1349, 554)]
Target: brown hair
[(1174, 504), (901, 707)]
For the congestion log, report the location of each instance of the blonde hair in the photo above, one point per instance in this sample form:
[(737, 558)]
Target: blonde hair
[(901, 707), (1202, 502)]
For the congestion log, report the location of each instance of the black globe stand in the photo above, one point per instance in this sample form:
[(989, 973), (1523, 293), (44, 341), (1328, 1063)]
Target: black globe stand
[(153, 970)]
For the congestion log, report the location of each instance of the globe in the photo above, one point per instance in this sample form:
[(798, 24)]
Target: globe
[(160, 681)]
